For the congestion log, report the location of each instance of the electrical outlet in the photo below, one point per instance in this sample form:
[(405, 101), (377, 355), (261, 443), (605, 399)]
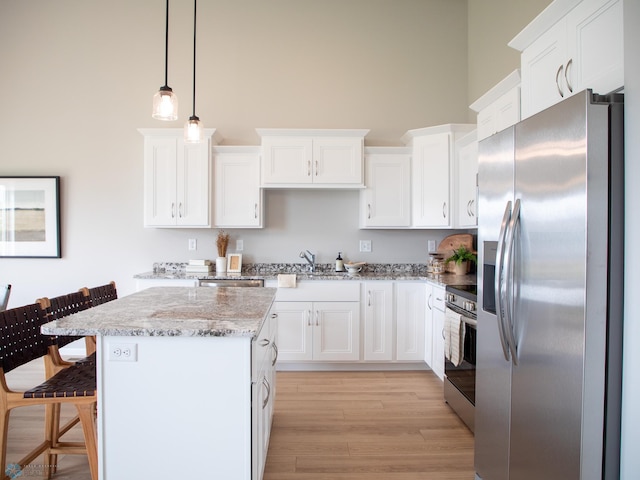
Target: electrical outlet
[(365, 245), (431, 245), (193, 244), (239, 245), (123, 352)]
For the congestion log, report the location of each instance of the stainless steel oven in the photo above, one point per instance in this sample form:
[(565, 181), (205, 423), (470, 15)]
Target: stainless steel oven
[(460, 351)]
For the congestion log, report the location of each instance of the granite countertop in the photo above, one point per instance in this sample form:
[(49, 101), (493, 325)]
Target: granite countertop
[(173, 311), (270, 271)]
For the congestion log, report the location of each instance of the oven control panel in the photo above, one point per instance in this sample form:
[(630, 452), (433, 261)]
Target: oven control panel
[(464, 301)]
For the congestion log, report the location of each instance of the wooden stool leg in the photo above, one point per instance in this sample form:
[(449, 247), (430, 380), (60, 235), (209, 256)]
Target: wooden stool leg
[(4, 430), (87, 414), (51, 420)]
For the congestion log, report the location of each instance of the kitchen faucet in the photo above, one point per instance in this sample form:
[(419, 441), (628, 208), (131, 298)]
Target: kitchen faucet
[(310, 258)]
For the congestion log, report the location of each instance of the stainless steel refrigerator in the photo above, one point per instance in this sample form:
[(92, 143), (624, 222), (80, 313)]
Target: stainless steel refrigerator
[(550, 242)]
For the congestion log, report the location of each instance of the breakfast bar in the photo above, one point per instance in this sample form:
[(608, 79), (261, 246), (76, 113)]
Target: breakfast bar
[(185, 381)]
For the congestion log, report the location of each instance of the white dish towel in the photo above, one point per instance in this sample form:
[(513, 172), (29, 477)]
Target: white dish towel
[(453, 337), (287, 280)]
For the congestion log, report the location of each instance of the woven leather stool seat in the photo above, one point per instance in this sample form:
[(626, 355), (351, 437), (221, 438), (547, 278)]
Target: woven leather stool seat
[(74, 381), (21, 342)]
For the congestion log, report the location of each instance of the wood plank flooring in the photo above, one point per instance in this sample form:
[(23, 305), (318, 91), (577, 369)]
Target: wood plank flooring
[(366, 425), (326, 426)]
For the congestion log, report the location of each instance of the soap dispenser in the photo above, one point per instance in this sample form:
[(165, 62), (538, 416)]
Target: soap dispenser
[(339, 263)]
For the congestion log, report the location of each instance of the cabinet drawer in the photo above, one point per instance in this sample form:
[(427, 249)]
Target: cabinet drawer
[(260, 349), (317, 291), (438, 298)]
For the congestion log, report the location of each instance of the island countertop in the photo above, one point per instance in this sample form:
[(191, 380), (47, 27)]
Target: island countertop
[(173, 311)]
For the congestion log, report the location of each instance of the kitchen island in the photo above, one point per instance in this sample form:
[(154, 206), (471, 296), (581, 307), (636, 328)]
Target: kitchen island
[(185, 381)]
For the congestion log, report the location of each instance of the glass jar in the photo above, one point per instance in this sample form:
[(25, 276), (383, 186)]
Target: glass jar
[(435, 264)]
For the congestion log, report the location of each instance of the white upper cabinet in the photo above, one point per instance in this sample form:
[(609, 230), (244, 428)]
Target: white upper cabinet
[(386, 200), (432, 174), (312, 158), (499, 108), (466, 181), (177, 179), (238, 198), (572, 45)]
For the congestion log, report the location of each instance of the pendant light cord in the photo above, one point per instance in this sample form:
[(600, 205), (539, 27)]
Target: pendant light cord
[(194, 55), (166, 48)]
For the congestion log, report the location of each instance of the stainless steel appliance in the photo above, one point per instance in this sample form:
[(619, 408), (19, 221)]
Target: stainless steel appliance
[(231, 282), (550, 240), (460, 377)]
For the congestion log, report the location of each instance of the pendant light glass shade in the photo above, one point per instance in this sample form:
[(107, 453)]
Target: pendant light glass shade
[(165, 102), (193, 129)]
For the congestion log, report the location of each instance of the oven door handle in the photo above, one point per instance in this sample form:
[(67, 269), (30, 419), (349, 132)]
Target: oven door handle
[(469, 321), (498, 280)]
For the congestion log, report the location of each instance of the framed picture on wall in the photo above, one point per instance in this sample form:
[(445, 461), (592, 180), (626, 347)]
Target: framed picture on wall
[(30, 217), (234, 263)]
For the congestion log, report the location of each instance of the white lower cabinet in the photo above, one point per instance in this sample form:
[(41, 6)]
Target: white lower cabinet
[(378, 321), (318, 331), (264, 354), (434, 330), (410, 320)]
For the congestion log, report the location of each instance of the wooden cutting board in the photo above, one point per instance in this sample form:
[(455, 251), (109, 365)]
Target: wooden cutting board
[(451, 243)]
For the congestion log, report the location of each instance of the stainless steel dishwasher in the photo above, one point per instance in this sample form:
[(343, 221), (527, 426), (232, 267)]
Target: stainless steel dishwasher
[(231, 282)]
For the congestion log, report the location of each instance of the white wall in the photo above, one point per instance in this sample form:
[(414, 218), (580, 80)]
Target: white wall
[(492, 25), (77, 81), (630, 464)]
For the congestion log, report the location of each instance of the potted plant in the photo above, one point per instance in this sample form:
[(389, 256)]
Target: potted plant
[(462, 256)]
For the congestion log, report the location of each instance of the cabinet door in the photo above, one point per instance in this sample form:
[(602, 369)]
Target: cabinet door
[(428, 328), (466, 191), (287, 160), (410, 319), (507, 110), (193, 180), (238, 196), (386, 200), (336, 331), (160, 163), (431, 181), (295, 330), (378, 321), (438, 332), (337, 160), (543, 70), (596, 46), (487, 122)]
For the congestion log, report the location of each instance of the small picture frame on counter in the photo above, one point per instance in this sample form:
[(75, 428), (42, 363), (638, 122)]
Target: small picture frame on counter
[(234, 263)]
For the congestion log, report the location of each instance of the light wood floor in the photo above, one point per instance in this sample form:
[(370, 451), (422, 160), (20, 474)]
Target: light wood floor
[(366, 425), (326, 426)]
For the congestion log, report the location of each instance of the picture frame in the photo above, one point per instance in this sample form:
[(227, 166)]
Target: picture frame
[(30, 217), (234, 263)]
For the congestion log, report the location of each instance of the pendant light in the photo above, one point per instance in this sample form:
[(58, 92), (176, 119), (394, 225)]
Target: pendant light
[(193, 129), (165, 102)]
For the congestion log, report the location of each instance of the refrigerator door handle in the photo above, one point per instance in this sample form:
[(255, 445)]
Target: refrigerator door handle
[(507, 285), (498, 279)]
